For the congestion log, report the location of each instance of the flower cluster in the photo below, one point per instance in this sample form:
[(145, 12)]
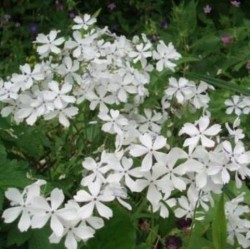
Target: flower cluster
[(112, 74), (93, 65), (238, 105), (238, 227)]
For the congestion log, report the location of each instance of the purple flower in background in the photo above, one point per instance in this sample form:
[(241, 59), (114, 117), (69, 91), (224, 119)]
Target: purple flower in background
[(173, 242), (72, 14), (111, 6), (235, 3), (33, 28), (59, 6), (248, 65), (207, 9), (164, 24), (226, 39)]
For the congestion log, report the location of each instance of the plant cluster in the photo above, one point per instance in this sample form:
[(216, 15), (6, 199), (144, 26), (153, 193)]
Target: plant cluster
[(163, 150)]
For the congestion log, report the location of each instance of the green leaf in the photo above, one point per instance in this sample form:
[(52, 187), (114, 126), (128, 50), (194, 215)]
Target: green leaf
[(13, 174), (2, 152), (238, 191), (97, 13), (187, 59), (17, 238), (32, 141), (39, 239), (167, 224), (1, 199), (219, 225), (118, 232), (152, 236), (220, 83)]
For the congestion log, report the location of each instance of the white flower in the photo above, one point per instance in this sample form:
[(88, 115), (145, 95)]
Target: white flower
[(119, 192), (100, 98), (83, 47), (94, 199), (182, 89), (49, 42), (63, 114), (114, 122), (164, 205), (60, 97), (149, 147), (237, 155), (123, 171), (26, 110), (97, 171), (21, 205), (220, 168), (83, 22), (28, 77), (77, 230), (151, 122), (8, 91), (45, 211), (69, 70), (73, 232), (165, 55), (174, 174), (237, 226), (141, 53), (245, 104), (188, 205), (200, 134), (155, 182), (200, 98), (233, 105), (235, 132)]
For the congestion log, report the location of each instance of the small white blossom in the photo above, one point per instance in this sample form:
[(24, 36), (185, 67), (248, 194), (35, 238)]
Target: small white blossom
[(83, 22)]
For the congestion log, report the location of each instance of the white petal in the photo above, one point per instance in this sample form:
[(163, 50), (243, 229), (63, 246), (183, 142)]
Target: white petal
[(207, 142), (138, 150), (203, 123), (40, 203), (146, 140), (84, 232), (14, 194), (57, 198), (159, 143), (82, 196), (63, 120), (225, 176), (11, 214), (147, 162), (179, 213), (214, 130), (103, 210), (86, 210), (153, 194), (56, 225), (39, 221), (178, 183), (70, 241), (189, 129), (24, 222), (201, 180)]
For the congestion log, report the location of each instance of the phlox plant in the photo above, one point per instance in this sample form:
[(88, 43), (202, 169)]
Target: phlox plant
[(175, 163)]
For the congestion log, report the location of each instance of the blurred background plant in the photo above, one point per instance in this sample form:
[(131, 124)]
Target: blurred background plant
[(215, 32)]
